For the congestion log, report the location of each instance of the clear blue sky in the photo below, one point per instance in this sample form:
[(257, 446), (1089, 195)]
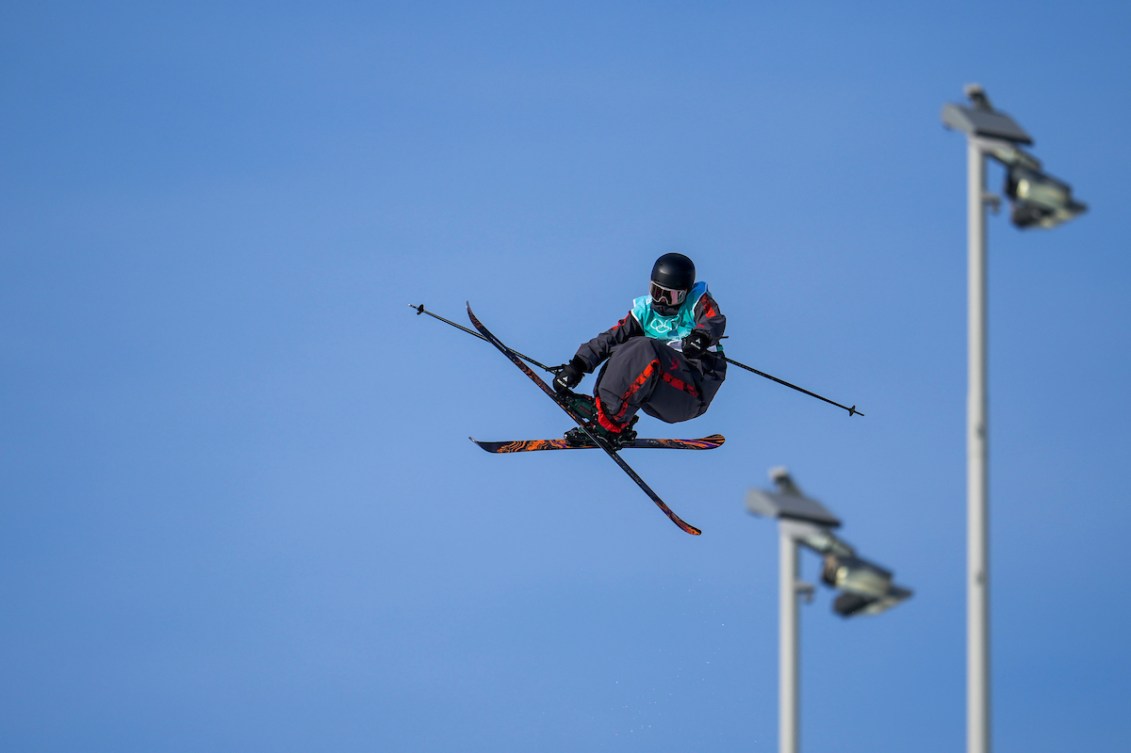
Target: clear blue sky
[(239, 508)]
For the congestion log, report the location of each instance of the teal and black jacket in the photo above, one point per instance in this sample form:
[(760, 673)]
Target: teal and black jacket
[(699, 311)]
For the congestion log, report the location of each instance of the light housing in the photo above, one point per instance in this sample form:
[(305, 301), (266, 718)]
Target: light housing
[(1039, 199), (865, 587), (856, 575), (852, 604)]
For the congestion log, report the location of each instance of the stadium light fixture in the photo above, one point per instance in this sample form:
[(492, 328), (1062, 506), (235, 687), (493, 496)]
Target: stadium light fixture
[(1039, 200), (865, 587)]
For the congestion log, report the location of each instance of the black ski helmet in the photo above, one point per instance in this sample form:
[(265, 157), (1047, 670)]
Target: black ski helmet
[(672, 277), (674, 271)]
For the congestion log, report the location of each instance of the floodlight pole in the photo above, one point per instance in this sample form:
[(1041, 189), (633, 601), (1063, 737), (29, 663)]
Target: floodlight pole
[(806, 522), (977, 541), (788, 694), (989, 133)]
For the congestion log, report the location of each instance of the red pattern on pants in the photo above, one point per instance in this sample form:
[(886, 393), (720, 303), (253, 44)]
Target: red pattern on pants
[(649, 375)]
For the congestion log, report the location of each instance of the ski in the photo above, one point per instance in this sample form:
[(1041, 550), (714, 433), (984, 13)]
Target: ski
[(536, 445), (612, 453)]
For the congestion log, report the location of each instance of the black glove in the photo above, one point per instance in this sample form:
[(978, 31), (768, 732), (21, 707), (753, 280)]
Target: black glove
[(695, 344), (569, 375)]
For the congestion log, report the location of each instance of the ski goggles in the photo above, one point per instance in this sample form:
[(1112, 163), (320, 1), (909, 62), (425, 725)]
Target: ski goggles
[(667, 296)]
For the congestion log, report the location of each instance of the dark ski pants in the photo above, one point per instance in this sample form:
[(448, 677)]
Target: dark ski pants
[(650, 375)]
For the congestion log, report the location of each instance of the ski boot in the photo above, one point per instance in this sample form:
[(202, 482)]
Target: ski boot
[(583, 405), (576, 437)]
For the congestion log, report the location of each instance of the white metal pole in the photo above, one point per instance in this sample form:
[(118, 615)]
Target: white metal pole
[(977, 562), (787, 657)]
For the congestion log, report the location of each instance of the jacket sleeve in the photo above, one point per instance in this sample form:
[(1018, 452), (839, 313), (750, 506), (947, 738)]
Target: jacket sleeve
[(593, 353), (709, 319)]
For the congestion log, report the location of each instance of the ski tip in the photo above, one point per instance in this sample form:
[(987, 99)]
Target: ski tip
[(682, 524)]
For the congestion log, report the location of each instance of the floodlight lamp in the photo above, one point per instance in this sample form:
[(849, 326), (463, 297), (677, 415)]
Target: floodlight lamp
[(856, 575), (1008, 153), (818, 538), (1039, 199), (850, 604)]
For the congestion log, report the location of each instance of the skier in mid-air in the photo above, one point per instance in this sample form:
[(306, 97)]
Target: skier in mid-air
[(664, 357)]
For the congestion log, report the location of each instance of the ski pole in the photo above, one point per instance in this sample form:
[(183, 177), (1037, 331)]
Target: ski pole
[(851, 411), (421, 310)]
